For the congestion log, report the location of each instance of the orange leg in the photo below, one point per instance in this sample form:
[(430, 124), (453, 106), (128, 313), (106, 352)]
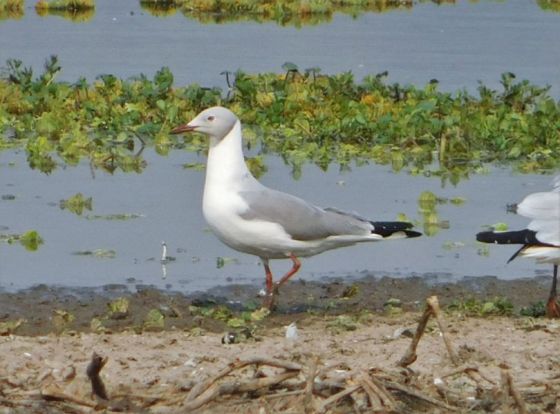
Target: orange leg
[(269, 283), (268, 301), (271, 287), (292, 271), (552, 308)]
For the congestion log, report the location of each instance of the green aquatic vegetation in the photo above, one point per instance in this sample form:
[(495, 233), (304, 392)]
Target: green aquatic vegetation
[(427, 202), (72, 5), (96, 326), (118, 308), (154, 321), (534, 310), (77, 204), (549, 5), (62, 319), (11, 9), (30, 240), (457, 201), (259, 314), (304, 116), (222, 261), (343, 323), (498, 227), (499, 306), (285, 12), (161, 8), (427, 207), (9, 327), (78, 11)]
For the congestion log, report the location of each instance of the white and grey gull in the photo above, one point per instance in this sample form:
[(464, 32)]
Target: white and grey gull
[(254, 219), (540, 240)]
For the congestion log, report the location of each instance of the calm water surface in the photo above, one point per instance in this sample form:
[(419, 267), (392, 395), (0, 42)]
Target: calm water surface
[(457, 44), (168, 199)]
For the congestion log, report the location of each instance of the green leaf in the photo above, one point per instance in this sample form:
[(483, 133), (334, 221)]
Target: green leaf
[(31, 240), (154, 320)]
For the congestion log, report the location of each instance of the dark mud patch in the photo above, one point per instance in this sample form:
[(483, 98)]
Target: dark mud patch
[(40, 307)]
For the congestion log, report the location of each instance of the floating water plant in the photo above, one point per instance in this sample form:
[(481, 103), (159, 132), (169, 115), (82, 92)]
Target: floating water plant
[(161, 8), (70, 5), (31, 239), (77, 204), (302, 115), (549, 5), (11, 9), (284, 12), (78, 11)]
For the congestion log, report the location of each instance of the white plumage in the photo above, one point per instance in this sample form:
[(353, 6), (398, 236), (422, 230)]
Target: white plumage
[(254, 219)]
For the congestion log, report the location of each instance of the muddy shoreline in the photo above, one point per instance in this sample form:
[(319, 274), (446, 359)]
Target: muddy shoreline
[(346, 329), (38, 307)]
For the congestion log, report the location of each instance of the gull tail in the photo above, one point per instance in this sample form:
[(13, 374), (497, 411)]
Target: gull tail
[(394, 229), (508, 237), (527, 238)]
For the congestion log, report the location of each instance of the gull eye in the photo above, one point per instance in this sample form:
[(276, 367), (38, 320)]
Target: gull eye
[(211, 118)]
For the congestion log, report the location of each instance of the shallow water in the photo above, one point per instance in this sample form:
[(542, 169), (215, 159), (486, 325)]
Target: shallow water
[(459, 44), (168, 199)]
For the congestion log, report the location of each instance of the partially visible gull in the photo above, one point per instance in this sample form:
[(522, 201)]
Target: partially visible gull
[(540, 240), (254, 219)]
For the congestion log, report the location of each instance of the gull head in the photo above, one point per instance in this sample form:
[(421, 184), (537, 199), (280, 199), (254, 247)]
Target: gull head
[(215, 122)]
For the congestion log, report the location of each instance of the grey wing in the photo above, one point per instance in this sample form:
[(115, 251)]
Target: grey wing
[(300, 219)]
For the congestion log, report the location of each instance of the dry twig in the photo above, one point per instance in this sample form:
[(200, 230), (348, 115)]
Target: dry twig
[(236, 387), (509, 389), (432, 309), (308, 399), (93, 369), (433, 303), (54, 392), (334, 398), (237, 364)]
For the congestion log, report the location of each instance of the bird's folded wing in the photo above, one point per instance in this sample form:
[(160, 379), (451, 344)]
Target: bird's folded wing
[(547, 231), (541, 206), (300, 219)]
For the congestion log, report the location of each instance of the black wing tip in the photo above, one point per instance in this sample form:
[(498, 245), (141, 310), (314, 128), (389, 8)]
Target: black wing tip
[(486, 237), (412, 233), (525, 236), (387, 228)]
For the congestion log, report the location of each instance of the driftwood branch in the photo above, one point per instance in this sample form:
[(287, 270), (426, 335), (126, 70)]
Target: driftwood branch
[(237, 364), (419, 395), (432, 309), (236, 387), (410, 355), (308, 399), (508, 388), (54, 392), (433, 303), (339, 395)]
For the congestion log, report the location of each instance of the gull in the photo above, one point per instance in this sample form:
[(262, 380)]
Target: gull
[(254, 219), (540, 240)]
